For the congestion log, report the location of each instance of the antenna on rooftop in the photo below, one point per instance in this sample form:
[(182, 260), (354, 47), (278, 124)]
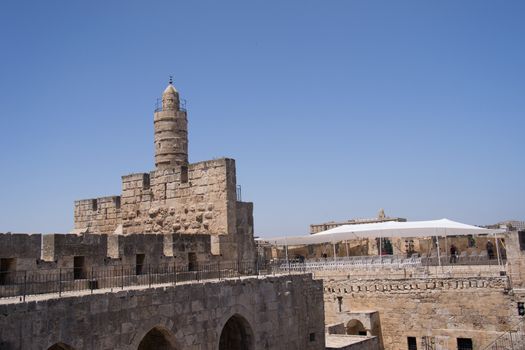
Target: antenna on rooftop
[(171, 79)]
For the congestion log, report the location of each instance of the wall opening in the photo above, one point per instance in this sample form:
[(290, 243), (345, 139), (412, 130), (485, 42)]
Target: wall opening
[(157, 339), (192, 262), (236, 335), (60, 346), (464, 344), (94, 204), (7, 270), (521, 237), (145, 181), (139, 264), (355, 327), (117, 202), (79, 267), (184, 174), (412, 343), (521, 308)]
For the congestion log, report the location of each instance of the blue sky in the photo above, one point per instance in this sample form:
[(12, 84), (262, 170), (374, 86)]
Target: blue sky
[(332, 109)]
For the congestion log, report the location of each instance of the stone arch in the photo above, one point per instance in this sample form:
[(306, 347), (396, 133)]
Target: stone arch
[(158, 338), (60, 346), (355, 327), (237, 334), (145, 326)]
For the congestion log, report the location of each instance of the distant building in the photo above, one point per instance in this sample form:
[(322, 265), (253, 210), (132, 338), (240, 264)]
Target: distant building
[(381, 217)]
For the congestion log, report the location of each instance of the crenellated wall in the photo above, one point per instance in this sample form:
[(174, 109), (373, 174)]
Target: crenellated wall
[(201, 201), (198, 199), (23, 249), (36, 252)]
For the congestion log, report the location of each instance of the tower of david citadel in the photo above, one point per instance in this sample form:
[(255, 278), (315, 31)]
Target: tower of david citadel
[(171, 263), (177, 197)]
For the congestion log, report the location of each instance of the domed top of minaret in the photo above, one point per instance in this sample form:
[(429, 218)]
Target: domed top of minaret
[(170, 98), (170, 89)]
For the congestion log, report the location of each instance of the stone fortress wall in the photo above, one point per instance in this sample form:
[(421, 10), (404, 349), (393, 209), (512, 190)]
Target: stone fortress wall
[(36, 252), (436, 310), (99, 287), (432, 310), (266, 313)]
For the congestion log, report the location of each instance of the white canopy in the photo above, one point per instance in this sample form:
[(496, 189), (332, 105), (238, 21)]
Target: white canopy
[(443, 227)]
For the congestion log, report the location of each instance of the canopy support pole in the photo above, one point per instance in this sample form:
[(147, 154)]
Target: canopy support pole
[(287, 261), (447, 258), (347, 254), (381, 250), (333, 244), (439, 253), (497, 249)]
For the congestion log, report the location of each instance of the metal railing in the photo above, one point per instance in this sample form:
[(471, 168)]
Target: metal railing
[(387, 267), (159, 108), (512, 340), (460, 260), (63, 280), (349, 262)]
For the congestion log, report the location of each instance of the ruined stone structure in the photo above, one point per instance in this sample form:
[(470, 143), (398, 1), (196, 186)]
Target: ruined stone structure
[(176, 197)]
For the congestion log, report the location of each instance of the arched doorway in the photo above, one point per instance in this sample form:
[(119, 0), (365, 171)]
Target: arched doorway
[(60, 346), (236, 334), (355, 327), (157, 339)]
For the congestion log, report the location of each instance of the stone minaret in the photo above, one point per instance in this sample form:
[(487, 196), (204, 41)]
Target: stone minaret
[(171, 131)]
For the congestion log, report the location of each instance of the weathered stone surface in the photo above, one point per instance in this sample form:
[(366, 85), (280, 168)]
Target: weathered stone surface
[(446, 308), (192, 315)]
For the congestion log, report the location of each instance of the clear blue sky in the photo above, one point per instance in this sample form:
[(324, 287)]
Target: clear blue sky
[(332, 109)]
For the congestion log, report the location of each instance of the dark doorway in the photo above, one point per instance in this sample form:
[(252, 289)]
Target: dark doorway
[(465, 344), (355, 327), (79, 268), (139, 264), (157, 339), (7, 270), (412, 343), (236, 335), (192, 262)]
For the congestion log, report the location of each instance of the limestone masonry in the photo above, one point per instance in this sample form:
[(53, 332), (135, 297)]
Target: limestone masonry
[(272, 313), (170, 264), (176, 197)]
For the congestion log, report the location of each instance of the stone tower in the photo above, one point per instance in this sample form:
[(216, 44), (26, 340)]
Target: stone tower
[(171, 131)]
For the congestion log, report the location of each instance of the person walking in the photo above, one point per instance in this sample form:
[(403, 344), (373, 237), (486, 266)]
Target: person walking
[(453, 254)]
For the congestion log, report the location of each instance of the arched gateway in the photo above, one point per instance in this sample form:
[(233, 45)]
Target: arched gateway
[(237, 334), (355, 327), (158, 338)]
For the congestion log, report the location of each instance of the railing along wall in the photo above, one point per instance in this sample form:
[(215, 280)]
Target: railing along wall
[(64, 280)]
